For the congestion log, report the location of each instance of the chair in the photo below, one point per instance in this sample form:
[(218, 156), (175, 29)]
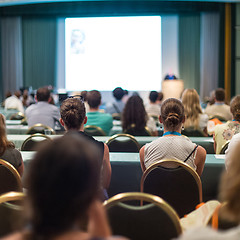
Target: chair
[(156, 220), (33, 142), (94, 130), (17, 116), (174, 181), (191, 132), (10, 179), (40, 128), (11, 213), (138, 132), (116, 116), (123, 143), (224, 147)]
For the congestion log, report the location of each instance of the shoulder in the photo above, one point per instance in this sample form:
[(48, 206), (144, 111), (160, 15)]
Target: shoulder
[(15, 236)]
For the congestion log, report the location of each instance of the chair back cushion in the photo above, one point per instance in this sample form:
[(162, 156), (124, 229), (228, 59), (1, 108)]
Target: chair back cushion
[(141, 222), (176, 186)]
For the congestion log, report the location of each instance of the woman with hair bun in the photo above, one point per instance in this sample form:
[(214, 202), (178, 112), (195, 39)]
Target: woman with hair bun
[(173, 145), (224, 132)]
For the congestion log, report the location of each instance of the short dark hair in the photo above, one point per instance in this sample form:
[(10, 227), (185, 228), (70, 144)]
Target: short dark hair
[(220, 94), (160, 96), (62, 196), (94, 99), (73, 113), (172, 113), (153, 96), (43, 94), (118, 93)]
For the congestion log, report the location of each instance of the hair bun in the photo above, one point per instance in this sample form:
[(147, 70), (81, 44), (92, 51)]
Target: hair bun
[(172, 119)]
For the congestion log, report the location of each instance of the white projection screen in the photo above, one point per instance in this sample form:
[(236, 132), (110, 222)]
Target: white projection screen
[(106, 52)]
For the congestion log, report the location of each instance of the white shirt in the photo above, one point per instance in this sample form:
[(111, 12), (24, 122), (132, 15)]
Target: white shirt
[(14, 102)]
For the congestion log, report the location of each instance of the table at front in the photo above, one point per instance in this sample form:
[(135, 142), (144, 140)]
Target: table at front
[(205, 142), (126, 173)]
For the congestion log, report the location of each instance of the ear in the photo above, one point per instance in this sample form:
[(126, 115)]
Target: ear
[(183, 121), (85, 120), (62, 122), (35, 98), (160, 119)]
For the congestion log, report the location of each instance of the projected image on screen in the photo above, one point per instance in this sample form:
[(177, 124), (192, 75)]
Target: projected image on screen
[(105, 52)]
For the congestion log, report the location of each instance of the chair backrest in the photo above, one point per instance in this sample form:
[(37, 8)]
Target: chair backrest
[(10, 179), (116, 116), (33, 142), (123, 143), (92, 130), (156, 220), (224, 147), (11, 213), (138, 132), (40, 128), (174, 181), (191, 132), (17, 116), (220, 118)]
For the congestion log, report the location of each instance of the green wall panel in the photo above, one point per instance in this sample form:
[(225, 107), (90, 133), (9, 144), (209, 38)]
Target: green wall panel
[(237, 84)]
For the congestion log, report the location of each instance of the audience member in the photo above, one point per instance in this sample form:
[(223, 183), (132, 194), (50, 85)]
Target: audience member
[(95, 117), (84, 95), (135, 118), (26, 99), (233, 142), (219, 108), (153, 107), (173, 145), (224, 132), (8, 152), (14, 102), (118, 105), (228, 214), (42, 112), (61, 200), (73, 117), (193, 112), (7, 95), (160, 98)]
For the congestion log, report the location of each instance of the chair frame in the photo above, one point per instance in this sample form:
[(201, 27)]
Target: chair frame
[(14, 171), (11, 196), (129, 196), (17, 114), (95, 127), (112, 138), (43, 126), (177, 163), (224, 147), (32, 136)]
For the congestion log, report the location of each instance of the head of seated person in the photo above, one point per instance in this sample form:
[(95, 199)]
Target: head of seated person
[(172, 115), (73, 114), (219, 95), (235, 108), (94, 100), (134, 114), (153, 97), (118, 93), (43, 95), (62, 199)]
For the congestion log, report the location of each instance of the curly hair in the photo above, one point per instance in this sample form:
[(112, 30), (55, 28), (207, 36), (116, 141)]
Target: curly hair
[(134, 114), (235, 107), (192, 108)]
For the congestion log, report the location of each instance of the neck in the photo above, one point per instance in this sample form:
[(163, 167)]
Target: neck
[(178, 130), (93, 109), (221, 102)]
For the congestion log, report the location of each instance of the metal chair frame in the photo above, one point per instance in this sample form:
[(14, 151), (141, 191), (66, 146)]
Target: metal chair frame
[(96, 128), (39, 125)]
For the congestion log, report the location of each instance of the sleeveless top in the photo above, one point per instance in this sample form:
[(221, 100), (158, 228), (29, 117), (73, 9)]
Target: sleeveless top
[(170, 147)]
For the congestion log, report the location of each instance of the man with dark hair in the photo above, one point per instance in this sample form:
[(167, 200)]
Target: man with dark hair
[(219, 108), (153, 108), (42, 112), (95, 117), (73, 117), (118, 105)]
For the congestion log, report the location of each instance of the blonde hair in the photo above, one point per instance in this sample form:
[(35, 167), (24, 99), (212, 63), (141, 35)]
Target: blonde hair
[(230, 188), (192, 108), (4, 143)]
